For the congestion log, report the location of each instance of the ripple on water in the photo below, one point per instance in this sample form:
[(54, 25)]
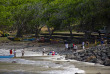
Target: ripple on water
[(52, 67)]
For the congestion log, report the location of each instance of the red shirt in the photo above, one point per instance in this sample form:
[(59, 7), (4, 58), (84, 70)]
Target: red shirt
[(10, 51), (53, 53)]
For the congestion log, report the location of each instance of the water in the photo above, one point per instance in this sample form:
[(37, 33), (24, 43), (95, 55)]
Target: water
[(48, 67), (35, 64)]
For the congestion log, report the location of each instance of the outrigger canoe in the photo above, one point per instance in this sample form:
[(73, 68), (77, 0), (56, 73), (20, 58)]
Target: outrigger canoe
[(6, 56)]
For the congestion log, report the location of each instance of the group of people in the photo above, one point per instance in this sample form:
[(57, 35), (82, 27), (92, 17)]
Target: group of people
[(74, 47), (50, 53), (14, 52)]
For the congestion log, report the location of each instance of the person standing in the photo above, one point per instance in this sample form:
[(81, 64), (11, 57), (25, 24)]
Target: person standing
[(66, 45), (43, 52), (83, 45), (87, 44), (11, 52), (14, 53), (75, 47), (22, 53)]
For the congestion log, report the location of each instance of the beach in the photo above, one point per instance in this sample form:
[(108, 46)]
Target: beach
[(34, 62)]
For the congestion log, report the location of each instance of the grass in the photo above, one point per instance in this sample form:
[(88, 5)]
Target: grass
[(4, 39), (67, 32)]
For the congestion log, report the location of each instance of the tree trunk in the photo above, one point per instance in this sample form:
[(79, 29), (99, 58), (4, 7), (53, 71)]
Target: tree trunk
[(70, 29), (20, 29), (37, 33), (50, 35), (99, 34), (107, 30), (87, 35), (19, 33), (38, 29)]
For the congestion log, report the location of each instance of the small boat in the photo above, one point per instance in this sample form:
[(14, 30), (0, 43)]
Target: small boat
[(30, 39), (6, 56)]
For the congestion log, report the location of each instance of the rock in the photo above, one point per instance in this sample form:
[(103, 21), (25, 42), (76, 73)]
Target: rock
[(107, 62), (14, 62), (99, 61), (97, 54), (99, 73)]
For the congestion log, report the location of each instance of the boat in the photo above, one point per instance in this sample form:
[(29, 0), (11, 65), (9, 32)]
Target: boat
[(6, 56)]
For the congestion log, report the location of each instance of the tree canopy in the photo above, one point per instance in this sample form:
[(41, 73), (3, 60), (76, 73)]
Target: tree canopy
[(29, 16)]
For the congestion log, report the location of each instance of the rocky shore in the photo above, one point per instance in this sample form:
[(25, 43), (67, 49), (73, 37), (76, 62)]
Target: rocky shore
[(98, 54)]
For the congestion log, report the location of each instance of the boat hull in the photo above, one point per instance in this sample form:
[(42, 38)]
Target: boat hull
[(6, 56)]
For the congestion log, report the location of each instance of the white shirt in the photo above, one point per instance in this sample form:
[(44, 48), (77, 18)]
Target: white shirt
[(75, 47), (83, 43), (66, 45)]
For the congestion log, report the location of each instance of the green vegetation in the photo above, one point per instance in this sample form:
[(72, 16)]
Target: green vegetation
[(29, 16), (3, 39)]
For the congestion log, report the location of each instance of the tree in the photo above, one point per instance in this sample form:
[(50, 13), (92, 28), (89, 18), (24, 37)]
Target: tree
[(22, 17), (29, 18), (5, 15), (50, 18), (70, 16), (66, 15), (25, 17), (93, 14)]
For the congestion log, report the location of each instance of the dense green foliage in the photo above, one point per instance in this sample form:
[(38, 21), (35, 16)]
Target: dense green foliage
[(94, 14), (29, 16)]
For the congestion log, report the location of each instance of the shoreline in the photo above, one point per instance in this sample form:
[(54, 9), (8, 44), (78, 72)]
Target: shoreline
[(86, 66)]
